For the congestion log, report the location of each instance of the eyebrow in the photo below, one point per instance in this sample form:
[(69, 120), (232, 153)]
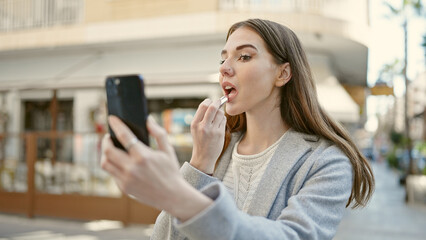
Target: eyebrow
[(240, 47)]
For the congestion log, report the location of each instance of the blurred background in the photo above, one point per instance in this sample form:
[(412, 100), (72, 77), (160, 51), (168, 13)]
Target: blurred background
[(368, 58)]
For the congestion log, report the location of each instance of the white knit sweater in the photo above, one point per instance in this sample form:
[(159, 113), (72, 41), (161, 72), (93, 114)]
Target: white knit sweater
[(244, 173)]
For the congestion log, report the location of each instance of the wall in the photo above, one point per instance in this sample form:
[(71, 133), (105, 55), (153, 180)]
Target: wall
[(116, 10)]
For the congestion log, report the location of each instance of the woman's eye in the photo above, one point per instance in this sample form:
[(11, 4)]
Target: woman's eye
[(221, 62), (244, 57)]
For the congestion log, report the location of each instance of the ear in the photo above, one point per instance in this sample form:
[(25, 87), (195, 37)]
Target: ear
[(284, 74)]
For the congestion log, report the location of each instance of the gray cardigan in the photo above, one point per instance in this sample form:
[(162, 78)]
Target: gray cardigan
[(302, 195)]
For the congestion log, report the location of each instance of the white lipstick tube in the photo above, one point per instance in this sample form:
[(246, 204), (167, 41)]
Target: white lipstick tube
[(223, 100)]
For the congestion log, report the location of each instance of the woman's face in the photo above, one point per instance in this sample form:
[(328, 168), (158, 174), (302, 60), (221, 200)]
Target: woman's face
[(248, 73)]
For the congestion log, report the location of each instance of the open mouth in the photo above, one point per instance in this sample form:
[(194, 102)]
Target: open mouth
[(230, 92)]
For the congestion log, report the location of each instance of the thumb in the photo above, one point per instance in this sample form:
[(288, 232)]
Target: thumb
[(159, 134)]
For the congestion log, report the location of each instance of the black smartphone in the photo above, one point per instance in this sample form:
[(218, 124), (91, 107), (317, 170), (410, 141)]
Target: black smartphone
[(126, 100)]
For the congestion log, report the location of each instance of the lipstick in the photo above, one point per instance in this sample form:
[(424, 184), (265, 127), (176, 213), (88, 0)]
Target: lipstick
[(223, 100)]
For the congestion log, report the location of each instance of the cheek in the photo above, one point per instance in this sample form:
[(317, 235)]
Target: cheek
[(260, 89), (259, 81)]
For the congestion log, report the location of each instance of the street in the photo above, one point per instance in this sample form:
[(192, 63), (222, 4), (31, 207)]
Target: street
[(386, 217)]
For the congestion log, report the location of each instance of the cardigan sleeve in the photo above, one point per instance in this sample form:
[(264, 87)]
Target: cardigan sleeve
[(195, 177), (313, 213), (163, 225)]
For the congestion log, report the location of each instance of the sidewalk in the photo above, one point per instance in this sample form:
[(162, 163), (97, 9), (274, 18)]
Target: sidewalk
[(13, 227), (387, 216)]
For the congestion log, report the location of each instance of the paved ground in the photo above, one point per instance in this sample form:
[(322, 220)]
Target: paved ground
[(386, 217), (14, 227)]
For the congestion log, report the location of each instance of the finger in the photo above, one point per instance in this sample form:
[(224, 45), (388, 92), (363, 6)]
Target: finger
[(211, 111), (160, 135), (122, 132), (104, 140), (222, 124), (112, 158), (201, 111), (218, 118), (112, 169)]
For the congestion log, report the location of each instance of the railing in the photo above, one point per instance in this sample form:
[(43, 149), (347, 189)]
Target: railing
[(63, 162), (57, 174), (27, 14), (355, 11)]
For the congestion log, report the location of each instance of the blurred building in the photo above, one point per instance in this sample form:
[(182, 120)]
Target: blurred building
[(417, 107), (55, 55)]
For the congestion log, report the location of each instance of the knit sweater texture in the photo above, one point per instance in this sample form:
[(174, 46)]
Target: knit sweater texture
[(244, 173)]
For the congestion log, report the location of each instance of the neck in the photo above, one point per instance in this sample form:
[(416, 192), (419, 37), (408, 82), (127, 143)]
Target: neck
[(264, 127)]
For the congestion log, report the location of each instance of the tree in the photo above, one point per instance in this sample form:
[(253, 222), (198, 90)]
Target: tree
[(385, 82), (404, 13), (424, 44), (388, 72)]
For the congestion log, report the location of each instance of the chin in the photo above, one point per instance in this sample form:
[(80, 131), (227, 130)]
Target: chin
[(233, 112)]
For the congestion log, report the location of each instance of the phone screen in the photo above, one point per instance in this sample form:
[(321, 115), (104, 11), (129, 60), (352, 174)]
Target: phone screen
[(126, 100)]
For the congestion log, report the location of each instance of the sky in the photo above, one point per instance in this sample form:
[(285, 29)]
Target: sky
[(386, 45), (387, 42)]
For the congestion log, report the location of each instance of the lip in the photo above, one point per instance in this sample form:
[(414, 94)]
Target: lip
[(232, 96)]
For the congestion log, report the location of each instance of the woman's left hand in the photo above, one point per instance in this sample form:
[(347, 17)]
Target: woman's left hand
[(151, 176), (208, 134)]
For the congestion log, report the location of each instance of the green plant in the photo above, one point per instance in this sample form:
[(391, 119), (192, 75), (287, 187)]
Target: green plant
[(421, 147), (396, 137), (392, 159)]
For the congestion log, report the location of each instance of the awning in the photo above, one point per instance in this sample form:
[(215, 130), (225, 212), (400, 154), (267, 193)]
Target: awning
[(337, 102), (164, 68)]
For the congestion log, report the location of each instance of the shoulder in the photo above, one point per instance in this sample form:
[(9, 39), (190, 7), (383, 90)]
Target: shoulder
[(320, 145), (329, 161), (325, 168), (323, 152)]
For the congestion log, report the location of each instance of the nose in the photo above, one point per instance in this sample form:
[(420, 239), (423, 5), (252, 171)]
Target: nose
[(226, 69)]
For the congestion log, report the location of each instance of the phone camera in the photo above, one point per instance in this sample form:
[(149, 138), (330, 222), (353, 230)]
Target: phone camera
[(117, 81)]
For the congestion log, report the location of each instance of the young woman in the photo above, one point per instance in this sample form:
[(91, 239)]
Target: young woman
[(276, 167)]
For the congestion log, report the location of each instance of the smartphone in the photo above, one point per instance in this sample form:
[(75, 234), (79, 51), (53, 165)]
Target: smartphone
[(126, 100)]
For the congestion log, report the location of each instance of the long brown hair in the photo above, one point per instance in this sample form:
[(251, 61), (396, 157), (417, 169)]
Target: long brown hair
[(300, 108)]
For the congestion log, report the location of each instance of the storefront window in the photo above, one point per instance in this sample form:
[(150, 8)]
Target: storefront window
[(175, 115), (69, 162)]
